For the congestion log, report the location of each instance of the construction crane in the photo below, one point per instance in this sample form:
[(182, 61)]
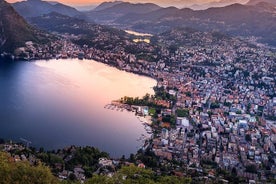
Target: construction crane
[(26, 142)]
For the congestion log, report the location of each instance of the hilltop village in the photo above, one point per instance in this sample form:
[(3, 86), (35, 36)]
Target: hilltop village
[(214, 108)]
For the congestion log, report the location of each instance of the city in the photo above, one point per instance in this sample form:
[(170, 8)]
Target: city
[(213, 114)]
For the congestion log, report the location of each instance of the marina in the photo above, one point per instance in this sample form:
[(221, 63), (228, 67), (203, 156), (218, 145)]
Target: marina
[(145, 120)]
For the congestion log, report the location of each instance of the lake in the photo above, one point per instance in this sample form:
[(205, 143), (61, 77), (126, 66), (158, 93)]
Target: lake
[(58, 103), (137, 33), (146, 40)]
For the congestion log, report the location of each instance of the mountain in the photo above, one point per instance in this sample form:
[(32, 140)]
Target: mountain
[(93, 35), (106, 14), (57, 22), (220, 3), (126, 7), (254, 2), (85, 8), (95, 7), (106, 5), (14, 29), (34, 8), (237, 19)]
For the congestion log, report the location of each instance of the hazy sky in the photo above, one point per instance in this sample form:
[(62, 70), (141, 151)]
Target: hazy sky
[(178, 3)]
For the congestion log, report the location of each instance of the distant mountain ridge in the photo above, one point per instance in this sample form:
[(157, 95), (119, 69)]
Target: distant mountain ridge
[(236, 19), (106, 5), (257, 20), (126, 7), (34, 8), (59, 23), (254, 2), (213, 4), (111, 11)]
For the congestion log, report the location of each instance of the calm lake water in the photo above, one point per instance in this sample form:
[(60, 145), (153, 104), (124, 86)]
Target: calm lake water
[(58, 103)]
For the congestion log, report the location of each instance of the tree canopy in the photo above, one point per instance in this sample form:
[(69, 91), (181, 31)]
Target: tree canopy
[(23, 172), (135, 175)]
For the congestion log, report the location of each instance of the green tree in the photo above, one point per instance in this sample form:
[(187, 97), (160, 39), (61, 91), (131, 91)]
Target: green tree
[(188, 93), (214, 105), (173, 180), (100, 179), (182, 112), (251, 169), (134, 175), (23, 172)]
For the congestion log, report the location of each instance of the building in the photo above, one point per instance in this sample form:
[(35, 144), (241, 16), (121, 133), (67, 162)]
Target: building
[(182, 121)]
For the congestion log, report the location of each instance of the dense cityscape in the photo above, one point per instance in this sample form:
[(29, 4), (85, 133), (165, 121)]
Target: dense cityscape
[(213, 114), (229, 100)]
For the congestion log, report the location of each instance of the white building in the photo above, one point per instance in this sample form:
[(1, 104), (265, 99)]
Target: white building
[(182, 121)]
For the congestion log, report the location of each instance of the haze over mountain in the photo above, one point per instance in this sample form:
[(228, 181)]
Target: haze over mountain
[(14, 29), (163, 3), (237, 19), (111, 11), (106, 5), (33, 8), (254, 2), (83, 8), (257, 20), (198, 4), (220, 3), (60, 23)]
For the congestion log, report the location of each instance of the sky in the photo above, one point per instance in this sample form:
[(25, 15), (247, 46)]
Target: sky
[(178, 3)]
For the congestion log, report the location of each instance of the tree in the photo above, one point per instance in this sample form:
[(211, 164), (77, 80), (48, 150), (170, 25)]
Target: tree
[(146, 97), (72, 177), (182, 112), (123, 158), (100, 179), (88, 157), (214, 105), (251, 168), (188, 93), (132, 158), (239, 112), (135, 175), (173, 180), (248, 137), (234, 171), (23, 172)]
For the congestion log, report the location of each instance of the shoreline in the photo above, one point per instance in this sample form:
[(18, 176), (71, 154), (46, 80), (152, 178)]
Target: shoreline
[(146, 120), (144, 123), (71, 58)]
